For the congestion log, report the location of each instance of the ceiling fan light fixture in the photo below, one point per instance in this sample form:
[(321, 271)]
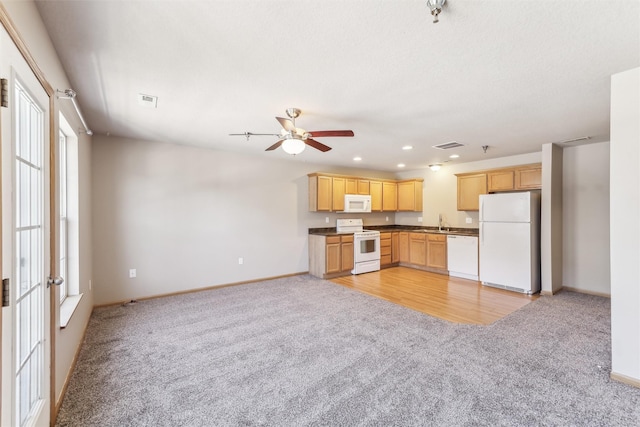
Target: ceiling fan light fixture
[(436, 8), (293, 146)]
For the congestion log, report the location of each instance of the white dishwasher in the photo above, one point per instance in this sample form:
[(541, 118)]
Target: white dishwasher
[(462, 256)]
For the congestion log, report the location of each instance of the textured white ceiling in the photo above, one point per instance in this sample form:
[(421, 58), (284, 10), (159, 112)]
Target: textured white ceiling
[(510, 74)]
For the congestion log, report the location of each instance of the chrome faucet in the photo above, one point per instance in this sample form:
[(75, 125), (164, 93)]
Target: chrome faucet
[(439, 222)]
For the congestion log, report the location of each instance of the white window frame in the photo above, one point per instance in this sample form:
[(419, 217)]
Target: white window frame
[(71, 298)]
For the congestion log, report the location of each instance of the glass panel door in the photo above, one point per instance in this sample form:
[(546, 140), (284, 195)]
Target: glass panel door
[(29, 262)]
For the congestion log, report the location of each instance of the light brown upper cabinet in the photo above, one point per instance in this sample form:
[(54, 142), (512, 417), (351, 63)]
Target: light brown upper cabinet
[(410, 195), (529, 178), (389, 196), (469, 188), (326, 193), (320, 193), (338, 191), (363, 186), (375, 189), (501, 180), (473, 184), (351, 186)]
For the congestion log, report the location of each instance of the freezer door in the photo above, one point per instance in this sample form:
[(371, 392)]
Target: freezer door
[(506, 255), (506, 207)]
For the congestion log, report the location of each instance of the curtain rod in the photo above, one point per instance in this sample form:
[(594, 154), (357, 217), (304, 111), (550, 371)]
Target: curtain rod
[(70, 94)]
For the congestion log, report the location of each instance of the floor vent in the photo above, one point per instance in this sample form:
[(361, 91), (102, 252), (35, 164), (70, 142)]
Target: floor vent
[(448, 145)]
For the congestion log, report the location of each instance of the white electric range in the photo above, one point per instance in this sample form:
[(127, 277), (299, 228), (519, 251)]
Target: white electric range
[(366, 245)]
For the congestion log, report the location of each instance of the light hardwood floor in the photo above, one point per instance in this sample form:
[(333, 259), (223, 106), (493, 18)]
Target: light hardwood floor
[(445, 297)]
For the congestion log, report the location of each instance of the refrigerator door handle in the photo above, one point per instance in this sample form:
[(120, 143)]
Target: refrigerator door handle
[(481, 208), (482, 233)]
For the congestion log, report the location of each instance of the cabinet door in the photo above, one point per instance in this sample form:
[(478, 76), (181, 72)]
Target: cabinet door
[(389, 196), (324, 193), (501, 181), (333, 257), (351, 186), (346, 256), (417, 249), (437, 251), (395, 247), (375, 188), (410, 196), (363, 187), (338, 190), (470, 187), (528, 179), (403, 247)]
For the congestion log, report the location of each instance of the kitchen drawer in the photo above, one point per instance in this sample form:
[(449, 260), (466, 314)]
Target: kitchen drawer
[(347, 238), (385, 259), (333, 239), (385, 250), (385, 235), (437, 237), (386, 242), (416, 236)]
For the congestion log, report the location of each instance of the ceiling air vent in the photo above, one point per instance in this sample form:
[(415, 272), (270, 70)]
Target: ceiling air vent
[(148, 100), (448, 145)]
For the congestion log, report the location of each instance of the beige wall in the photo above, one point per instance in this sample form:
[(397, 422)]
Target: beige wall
[(182, 216), (30, 26), (585, 224)]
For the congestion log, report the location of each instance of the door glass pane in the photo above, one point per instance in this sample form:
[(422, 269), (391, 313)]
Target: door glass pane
[(29, 253)]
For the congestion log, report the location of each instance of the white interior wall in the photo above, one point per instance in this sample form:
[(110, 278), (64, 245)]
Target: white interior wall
[(182, 216), (585, 223), (29, 24), (625, 231)]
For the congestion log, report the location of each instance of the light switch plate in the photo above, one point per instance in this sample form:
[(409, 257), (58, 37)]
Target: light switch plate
[(132, 273)]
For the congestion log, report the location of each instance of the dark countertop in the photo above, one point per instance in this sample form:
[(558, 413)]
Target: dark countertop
[(331, 231)]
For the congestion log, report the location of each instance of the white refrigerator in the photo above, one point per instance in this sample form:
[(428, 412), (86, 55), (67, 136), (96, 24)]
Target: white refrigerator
[(510, 241)]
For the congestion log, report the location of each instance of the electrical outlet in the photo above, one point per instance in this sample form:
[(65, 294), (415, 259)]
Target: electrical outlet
[(90, 285), (387, 219), (132, 273), (240, 261), (326, 219), (469, 220), (419, 219)]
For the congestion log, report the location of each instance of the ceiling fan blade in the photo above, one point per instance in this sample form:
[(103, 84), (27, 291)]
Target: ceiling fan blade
[(317, 145), (286, 124), (276, 145), (318, 133)]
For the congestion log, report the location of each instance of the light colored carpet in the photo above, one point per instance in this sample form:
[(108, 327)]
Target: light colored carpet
[(303, 351)]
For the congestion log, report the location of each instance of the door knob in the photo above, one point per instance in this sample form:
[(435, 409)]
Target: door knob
[(54, 281)]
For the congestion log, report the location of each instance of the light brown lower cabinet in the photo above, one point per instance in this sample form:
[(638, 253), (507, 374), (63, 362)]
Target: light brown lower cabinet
[(385, 249), (403, 247), (437, 251), (395, 247), (330, 256), (417, 249)]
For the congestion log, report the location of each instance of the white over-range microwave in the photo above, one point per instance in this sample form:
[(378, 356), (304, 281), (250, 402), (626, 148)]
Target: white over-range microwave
[(357, 203)]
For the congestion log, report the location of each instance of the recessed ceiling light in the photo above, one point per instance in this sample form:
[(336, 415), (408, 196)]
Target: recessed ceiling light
[(454, 156), (401, 165), (357, 159), (408, 147), (435, 167)]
